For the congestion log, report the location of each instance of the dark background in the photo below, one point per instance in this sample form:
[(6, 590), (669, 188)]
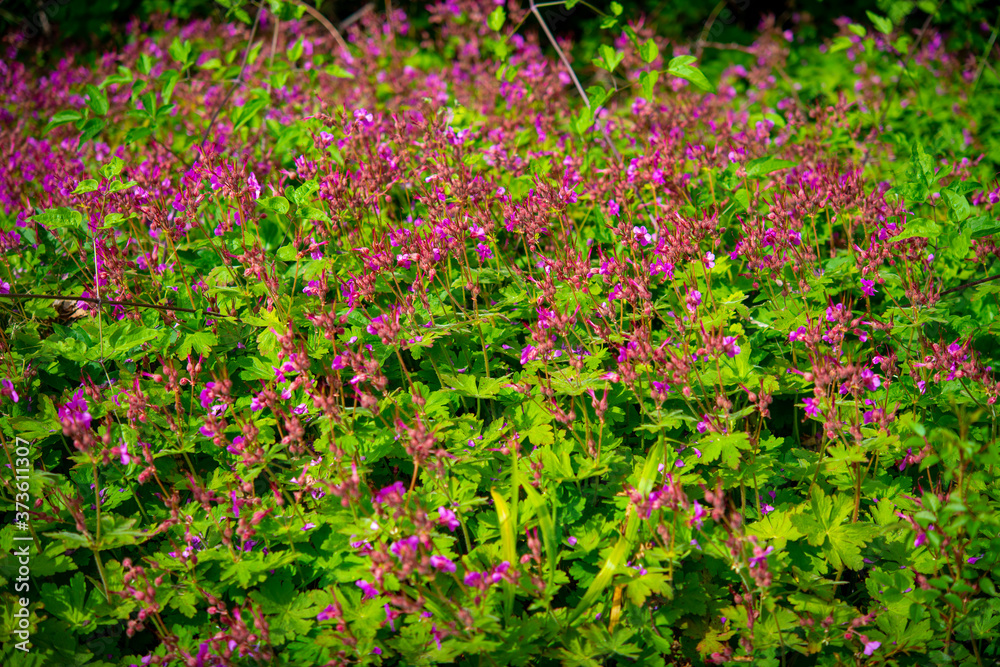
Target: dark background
[(81, 24)]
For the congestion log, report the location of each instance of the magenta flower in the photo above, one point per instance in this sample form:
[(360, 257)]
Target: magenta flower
[(7, 389), (871, 647), (390, 492), (448, 518), (759, 559), (254, 186), (330, 612), (613, 208), (870, 380), (698, 515), (812, 407), (443, 564), (730, 347), (368, 590), (868, 287), (484, 251), (693, 300)]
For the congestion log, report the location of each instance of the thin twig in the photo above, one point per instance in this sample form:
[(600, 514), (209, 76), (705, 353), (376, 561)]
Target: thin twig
[(315, 13), (986, 53), (239, 80), (90, 299), (972, 284), (586, 99), (356, 16), (700, 44)]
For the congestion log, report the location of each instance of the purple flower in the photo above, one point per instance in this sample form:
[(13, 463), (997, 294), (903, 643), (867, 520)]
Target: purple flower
[(972, 560), (366, 588), (812, 407), (698, 516), (871, 647), (693, 300), (254, 186), (406, 545), (484, 251), (870, 380), (448, 518), (868, 287), (613, 207), (7, 389), (730, 347), (331, 611), (442, 563), (760, 560), (388, 492), (473, 578)]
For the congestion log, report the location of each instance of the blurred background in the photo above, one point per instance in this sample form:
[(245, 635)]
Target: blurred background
[(51, 27)]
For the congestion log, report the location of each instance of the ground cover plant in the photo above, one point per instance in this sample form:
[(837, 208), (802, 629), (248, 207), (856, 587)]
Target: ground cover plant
[(414, 347)]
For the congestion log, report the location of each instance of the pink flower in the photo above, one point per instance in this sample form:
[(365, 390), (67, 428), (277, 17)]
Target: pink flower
[(368, 590), (871, 647), (332, 611), (443, 564), (613, 208), (254, 186), (7, 389), (448, 518), (812, 407)]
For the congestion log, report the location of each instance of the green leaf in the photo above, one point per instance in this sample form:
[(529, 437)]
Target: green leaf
[(547, 527), (87, 185), (983, 225), (508, 547), (201, 342), (180, 51), (882, 24), (742, 198), (648, 82), (496, 19), (680, 68), (766, 165), (841, 43), (610, 58), (112, 168), (825, 528), (244, 114), (91, 129), (958, 204), (58, 218), (97, 100), (616, 9), (649, 51), (584, 120), (277, 204), (857, 29), (61, 118), (338, 72), (137, 134)]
